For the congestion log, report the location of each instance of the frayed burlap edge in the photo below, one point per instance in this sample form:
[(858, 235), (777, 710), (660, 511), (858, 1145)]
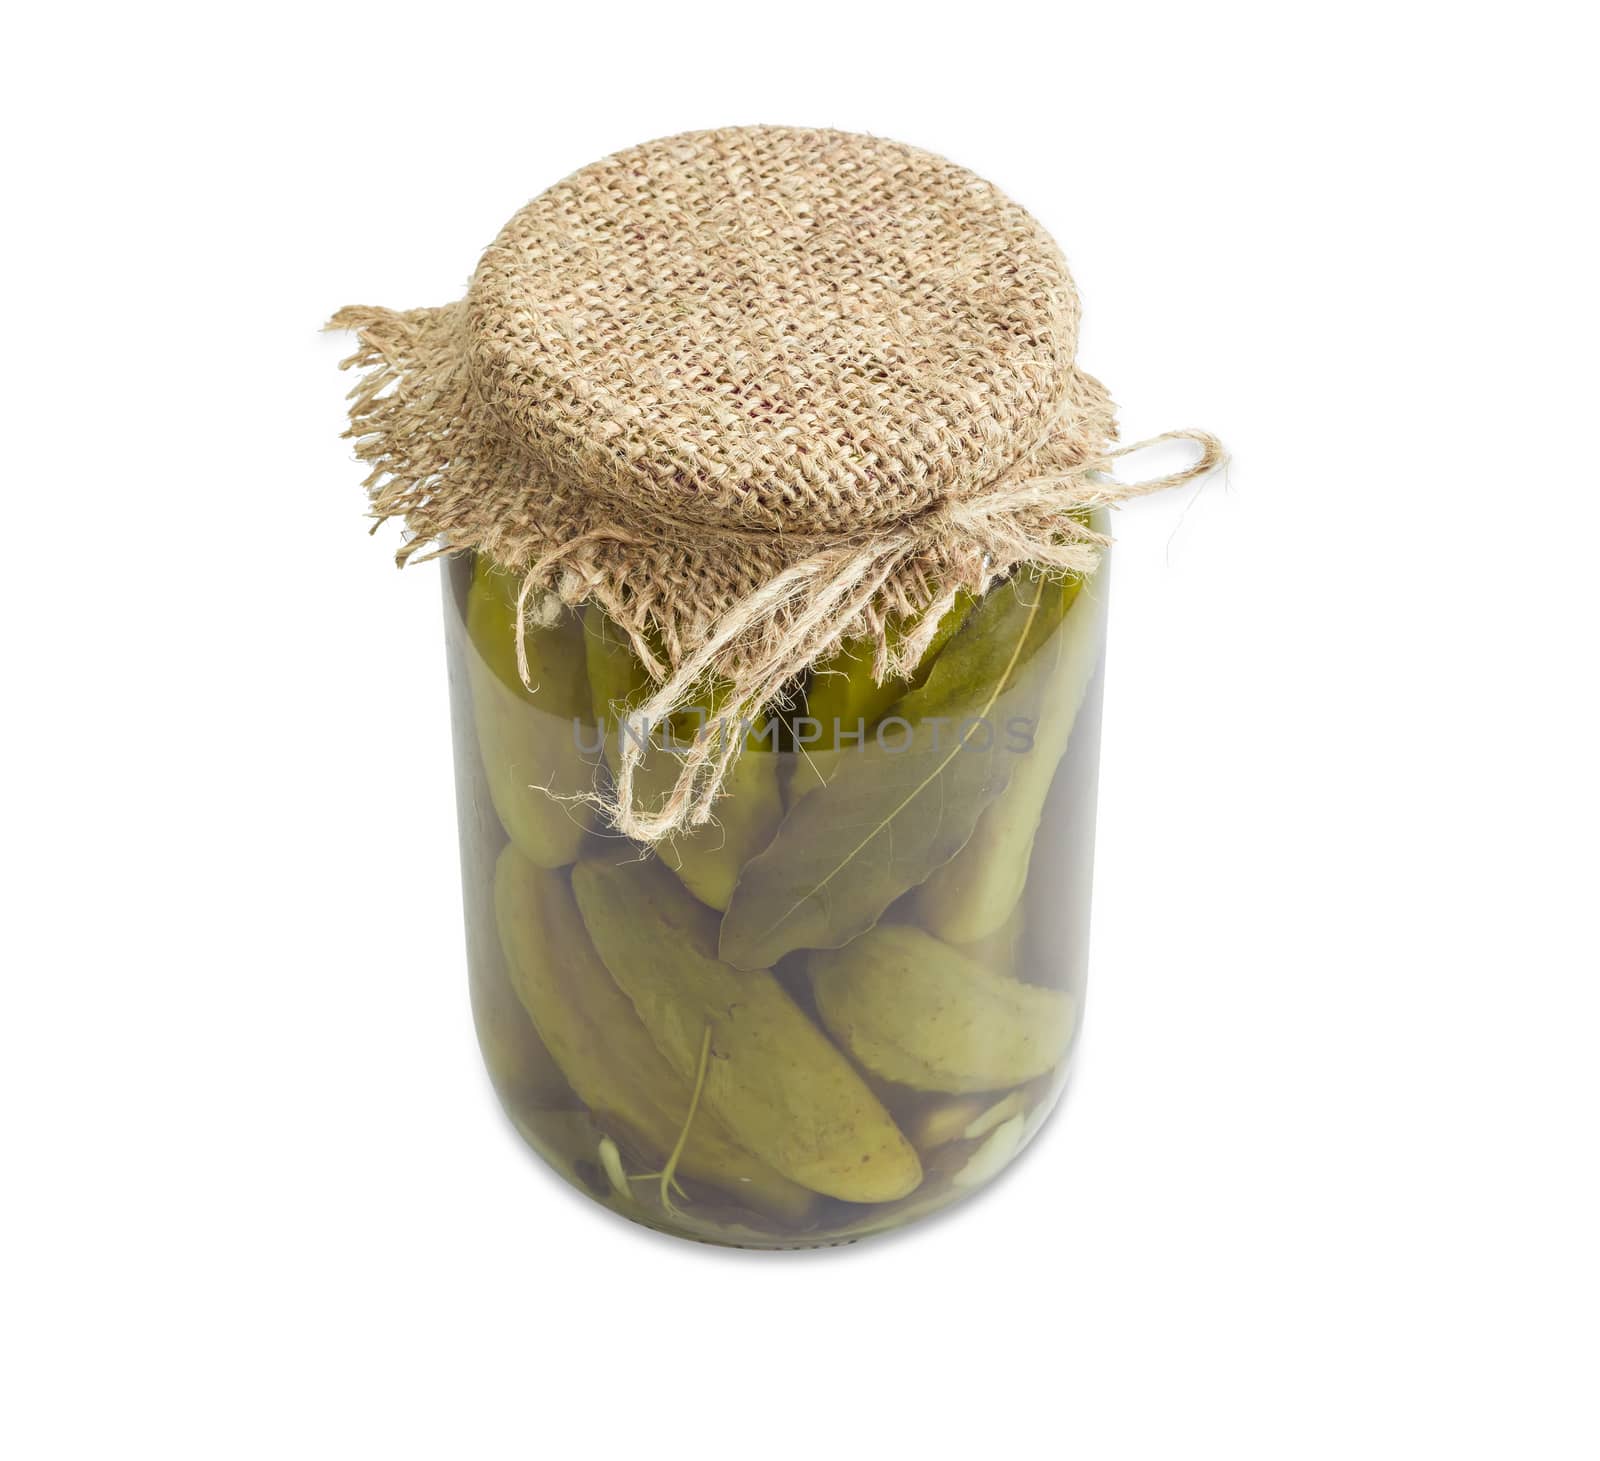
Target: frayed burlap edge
[(751, 609)]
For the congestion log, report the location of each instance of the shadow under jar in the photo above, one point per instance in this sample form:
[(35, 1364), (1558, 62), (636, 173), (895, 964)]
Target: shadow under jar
[(849, 1001)]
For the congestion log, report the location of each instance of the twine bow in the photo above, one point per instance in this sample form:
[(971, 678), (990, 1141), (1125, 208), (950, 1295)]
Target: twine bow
[(796, 618)]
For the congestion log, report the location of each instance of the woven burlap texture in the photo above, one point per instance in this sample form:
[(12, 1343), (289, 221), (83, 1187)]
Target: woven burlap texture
[(752, 391)]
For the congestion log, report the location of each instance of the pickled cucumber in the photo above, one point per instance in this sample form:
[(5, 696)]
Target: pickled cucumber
[(605, 1052), (944, 1121), (532, 752), (770, 1074), (998, 952), (917, 1012), (843, 699), (519, 1065), (993, 1156), (962, 1118), (707, 860), (977, 891)]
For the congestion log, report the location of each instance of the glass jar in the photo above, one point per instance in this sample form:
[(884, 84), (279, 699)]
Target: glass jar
[(850, 1001)]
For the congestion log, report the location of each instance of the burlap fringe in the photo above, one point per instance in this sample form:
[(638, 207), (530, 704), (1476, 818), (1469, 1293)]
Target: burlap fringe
[(754, 616)]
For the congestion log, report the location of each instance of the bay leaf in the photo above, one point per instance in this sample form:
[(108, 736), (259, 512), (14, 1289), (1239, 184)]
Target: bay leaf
[(906, 803)]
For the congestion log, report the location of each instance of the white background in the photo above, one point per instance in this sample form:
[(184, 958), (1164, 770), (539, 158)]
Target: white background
[(1326, 1182)]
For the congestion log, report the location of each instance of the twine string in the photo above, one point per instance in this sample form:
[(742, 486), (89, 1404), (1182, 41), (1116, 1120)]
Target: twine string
[(794, 619)]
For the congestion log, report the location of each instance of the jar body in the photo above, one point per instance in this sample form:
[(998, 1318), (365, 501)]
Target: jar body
[(852, 999)]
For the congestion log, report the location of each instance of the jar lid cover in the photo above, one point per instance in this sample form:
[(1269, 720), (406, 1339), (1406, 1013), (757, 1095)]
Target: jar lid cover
[(792, 331)]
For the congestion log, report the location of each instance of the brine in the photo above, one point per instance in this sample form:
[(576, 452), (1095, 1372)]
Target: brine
[(848, 1001)]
